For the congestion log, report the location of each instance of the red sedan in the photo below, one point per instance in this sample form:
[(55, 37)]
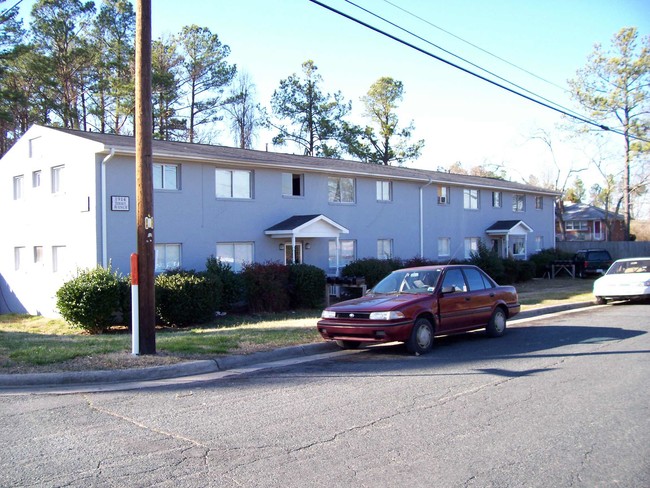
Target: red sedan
[(415, 304)]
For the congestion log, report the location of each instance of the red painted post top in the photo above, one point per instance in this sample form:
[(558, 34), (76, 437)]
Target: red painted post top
[(134, 269)]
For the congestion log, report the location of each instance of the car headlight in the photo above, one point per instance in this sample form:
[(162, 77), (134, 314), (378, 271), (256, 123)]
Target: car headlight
[(646, 283), (328, 314), (392, 315)]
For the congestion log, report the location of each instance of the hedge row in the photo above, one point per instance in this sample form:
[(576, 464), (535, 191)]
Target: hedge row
[(99, 298)]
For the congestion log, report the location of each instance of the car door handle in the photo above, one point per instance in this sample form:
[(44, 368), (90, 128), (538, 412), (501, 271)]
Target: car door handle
[(491, 295), (467, 299)]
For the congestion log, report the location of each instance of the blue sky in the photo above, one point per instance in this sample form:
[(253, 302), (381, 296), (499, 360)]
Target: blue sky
[(461, 118)]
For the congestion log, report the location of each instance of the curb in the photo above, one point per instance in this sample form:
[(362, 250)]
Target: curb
[(189, 368), (205, 366)]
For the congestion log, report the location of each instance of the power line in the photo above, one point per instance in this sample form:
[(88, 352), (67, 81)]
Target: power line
[(462, 59), (524, 70), (483, 78)]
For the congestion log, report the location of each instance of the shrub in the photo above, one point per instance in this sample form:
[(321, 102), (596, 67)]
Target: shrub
[(489, 261), (372, 269), (232, 283), (544, 258), (417, 261), (92, 299), (306, 286), (267, 286), (186, 298)]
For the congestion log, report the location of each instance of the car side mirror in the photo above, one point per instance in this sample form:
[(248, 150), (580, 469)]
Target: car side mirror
[(448, 289)]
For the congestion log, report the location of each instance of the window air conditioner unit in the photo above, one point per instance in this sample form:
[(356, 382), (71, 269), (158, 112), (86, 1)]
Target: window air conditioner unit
[(442, 199)]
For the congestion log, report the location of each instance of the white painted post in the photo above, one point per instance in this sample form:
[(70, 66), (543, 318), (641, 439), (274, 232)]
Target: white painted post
[(135, 307)]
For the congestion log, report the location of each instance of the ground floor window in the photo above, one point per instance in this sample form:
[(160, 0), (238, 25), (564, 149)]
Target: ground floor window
[(168, 256), (58, 258), (384, 248), (347, 252), (518, 246), (19, 258), (539, 243), (444, 246), (235, 254), (471, 246)]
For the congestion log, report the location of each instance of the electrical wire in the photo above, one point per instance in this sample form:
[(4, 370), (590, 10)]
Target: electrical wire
[(524, 70), (462, 59), (567, 113)]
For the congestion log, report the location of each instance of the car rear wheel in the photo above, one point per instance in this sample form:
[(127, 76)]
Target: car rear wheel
[(601, 300), (497, 325), (348, 344), (421, 340)]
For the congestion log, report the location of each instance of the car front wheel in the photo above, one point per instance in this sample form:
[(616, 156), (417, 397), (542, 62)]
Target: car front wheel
[(421, 340), (601, 301), (497, 325)]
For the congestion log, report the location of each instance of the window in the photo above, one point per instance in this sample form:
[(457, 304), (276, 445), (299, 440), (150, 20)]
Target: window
[(455, 278), (443, 195), (18, 187), (444, 246), (167, 256), (576, 225), (471, 246), (234, 183), (340, 190), (292, 185), (539, 203), (539, 243), (384, 193), (475, 279), (19, 258), (518, 246), (518, 203), (57, 179), (58, 258), (36, 179), (235, 254), (165, 177), (470, 199), (384, 248), (35, 147), (38, 254), (496, 199), (346, 255)]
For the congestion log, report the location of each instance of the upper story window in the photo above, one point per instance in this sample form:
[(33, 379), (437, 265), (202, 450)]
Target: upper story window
[(18, 187), (470, 199), (293, 185), (57, 179), (384, 191), (36, 179), (234, 183), (340, 190), (443, 195), (497, 198), (19, 258), (539, 203), (35, 147), (518, 203), (165, 176)]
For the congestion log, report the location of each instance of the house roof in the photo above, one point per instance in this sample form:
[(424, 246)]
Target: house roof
[(583, 211), (236, 156), (506, 226), (306, 226)]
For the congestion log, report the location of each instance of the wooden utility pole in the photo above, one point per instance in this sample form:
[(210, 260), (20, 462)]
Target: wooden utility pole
[(144, 178)]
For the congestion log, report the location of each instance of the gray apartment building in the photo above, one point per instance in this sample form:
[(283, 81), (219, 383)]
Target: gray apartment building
[(68, 202)]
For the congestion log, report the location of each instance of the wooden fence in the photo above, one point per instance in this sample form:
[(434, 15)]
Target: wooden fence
[(618, 249)]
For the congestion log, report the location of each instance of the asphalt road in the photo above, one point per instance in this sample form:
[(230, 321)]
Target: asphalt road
[(559, 401)]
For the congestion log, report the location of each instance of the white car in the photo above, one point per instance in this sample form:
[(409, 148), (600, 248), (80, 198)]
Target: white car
[(625, 279)]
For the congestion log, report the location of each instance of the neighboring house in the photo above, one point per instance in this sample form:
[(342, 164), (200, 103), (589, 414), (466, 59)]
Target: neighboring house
[(584, 222), (68, 202)]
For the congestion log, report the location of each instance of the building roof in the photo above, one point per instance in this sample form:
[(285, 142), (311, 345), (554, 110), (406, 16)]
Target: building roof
[(506, 226), (236, 156), (583, 211)]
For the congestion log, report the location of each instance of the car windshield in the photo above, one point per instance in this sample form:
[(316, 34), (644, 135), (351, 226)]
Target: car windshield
[(408, 282), (626, 267)]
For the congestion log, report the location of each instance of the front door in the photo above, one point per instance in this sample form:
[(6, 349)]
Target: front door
[(288, 253)]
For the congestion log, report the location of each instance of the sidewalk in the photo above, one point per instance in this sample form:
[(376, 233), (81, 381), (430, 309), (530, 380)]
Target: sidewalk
[(225, 363)]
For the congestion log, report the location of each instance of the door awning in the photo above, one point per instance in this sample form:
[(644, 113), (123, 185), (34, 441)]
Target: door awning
[(508, 227), (306, 226)]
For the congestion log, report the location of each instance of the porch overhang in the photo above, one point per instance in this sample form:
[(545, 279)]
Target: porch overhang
[(305, 227), (508, 227)]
